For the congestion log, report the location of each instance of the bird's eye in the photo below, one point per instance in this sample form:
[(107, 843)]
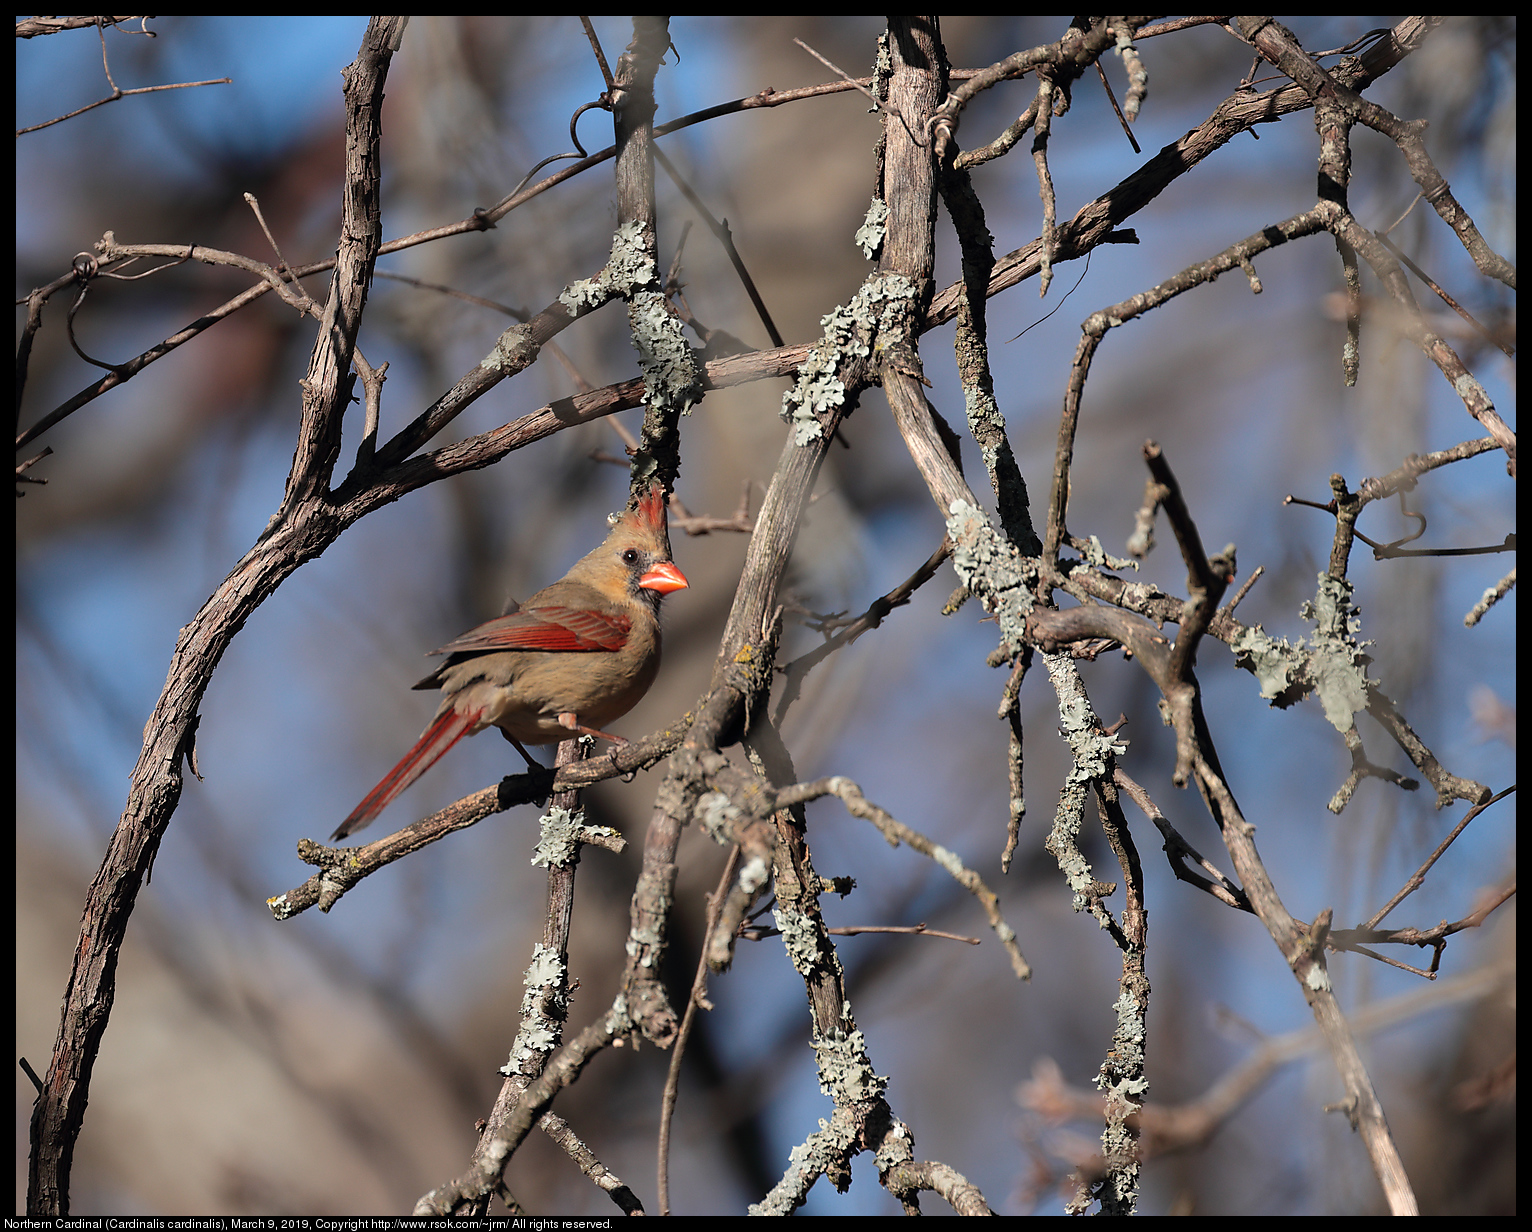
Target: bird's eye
[(630, 556)]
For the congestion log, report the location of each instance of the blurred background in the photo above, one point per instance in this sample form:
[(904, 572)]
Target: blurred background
[(336, 1063)]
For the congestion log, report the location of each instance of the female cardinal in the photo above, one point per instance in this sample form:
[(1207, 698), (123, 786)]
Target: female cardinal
[(577, 655)]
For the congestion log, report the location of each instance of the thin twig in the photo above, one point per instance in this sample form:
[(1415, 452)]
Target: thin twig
[(697, 999), (595, 46), (835, 68), (118, 92), (1456, 307), (726, 238), (1121, 119), (1418, 877)]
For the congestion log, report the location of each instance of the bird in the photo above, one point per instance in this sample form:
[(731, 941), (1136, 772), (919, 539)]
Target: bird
[(576, 656)]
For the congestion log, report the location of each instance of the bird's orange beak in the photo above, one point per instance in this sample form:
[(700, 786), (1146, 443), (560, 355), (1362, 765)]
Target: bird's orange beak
[(664, 577)]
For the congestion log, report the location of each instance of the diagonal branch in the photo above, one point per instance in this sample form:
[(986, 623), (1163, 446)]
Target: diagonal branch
[(156, 781)]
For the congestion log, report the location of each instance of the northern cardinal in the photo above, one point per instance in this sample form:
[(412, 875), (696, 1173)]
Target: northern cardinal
[(577, 655)]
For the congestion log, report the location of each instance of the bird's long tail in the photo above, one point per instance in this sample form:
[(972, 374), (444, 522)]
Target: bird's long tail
[(445, 731)]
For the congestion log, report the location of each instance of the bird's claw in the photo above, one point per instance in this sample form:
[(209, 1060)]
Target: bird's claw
[(627, 776)]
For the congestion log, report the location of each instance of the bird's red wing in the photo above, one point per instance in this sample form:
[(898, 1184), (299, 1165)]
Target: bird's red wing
[(544, 628)]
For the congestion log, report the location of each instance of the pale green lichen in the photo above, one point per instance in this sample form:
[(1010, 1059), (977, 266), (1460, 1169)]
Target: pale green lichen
[(895, 1147), (1333, 665), (845, 1069), (1130, 1023), (982, 410), (1469, 389), (1337, 664), (545, 970), (1331, 609), (546, 995), (1275, 663), (1093, 750), (799, 938), (994, 572), (869, 236), (1121, 1079), (949, 860), (672, 376), (630, 267), (753, 875), (514, 351), (1097, 557), (560, 839), (851, 331), (806, 1163), (882, 69), (581, 296), (717, 817)]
